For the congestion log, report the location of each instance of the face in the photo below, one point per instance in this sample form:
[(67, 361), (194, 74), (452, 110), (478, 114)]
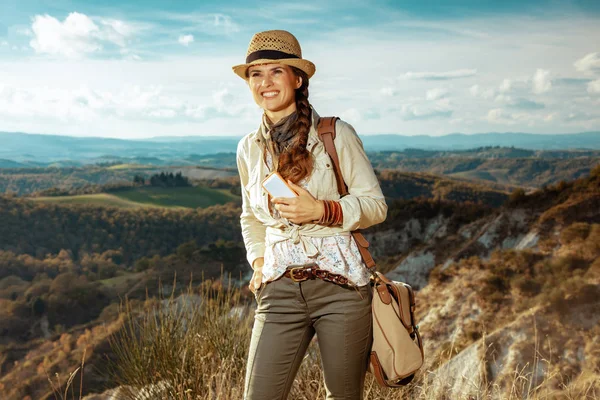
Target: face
[(274, 87)]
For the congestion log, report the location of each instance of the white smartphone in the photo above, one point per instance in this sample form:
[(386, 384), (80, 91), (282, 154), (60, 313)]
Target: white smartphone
[(277, 187)]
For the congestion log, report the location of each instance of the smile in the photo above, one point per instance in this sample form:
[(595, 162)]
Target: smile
[(270, 94)]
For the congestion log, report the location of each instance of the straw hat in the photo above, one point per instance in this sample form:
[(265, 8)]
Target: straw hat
[(277, 46)]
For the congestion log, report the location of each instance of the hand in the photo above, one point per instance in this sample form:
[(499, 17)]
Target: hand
[(300, 209), (256, 279)]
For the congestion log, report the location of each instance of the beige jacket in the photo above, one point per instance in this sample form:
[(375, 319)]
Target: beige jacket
[(364, 205)]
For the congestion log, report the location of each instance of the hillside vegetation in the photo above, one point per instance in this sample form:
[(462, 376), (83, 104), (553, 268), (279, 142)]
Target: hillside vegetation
[(26, 181), (507, 167), (189, 197), (506, 283)]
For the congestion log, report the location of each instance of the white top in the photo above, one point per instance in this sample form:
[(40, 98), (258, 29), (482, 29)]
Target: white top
[(336, 253)]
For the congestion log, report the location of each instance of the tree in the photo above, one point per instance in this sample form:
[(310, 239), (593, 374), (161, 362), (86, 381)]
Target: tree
[(595, 173), (186, 250), (139, 180)]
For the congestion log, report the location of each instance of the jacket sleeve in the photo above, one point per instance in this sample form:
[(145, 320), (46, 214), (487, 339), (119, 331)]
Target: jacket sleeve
[(364, 205), (253, 230)]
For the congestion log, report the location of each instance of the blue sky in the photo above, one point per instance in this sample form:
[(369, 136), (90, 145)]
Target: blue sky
[(154, 68)]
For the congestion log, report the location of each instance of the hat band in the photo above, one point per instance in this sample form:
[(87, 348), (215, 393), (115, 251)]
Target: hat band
[(269, 55)]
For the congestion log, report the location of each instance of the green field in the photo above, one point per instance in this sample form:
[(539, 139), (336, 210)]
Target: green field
[(127, 166), (149, 196)]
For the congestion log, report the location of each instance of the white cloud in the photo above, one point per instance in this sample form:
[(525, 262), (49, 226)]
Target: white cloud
[(459, 73), (522, 118), (439, 109), (594, 86), (388, 91), (351, 115), (541, 81), (131, 102), (505, 86), (129, 55), (223, 99), (477, 91), (474, 90), (162, 113), (25, 32), (225, 23), (588, 64), (436, 93), (195, 97), (502, 98), (186, 39), (500, 116), (4, 43), (77, 35), (71, 38), (496, 115), (211, 24), (116, 31)]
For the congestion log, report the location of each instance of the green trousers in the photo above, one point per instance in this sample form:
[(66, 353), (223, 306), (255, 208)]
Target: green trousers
[(287, 317)]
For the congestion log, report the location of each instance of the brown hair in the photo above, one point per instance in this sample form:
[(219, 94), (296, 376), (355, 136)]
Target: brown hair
[(297, 163)]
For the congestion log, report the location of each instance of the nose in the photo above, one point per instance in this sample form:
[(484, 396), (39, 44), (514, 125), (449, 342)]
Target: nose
[(267, 80)]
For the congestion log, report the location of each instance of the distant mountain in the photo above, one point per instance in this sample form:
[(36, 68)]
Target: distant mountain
[(459, 141), (11, 164), (22, 148), (454, 141), (44, 149)]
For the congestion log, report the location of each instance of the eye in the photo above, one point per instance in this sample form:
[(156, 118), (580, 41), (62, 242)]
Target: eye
[(254, 73)]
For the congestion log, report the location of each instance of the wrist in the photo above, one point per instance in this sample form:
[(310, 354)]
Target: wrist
[(258, 263)]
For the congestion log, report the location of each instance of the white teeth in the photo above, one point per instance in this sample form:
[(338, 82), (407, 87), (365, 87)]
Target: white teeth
[(270, 94)]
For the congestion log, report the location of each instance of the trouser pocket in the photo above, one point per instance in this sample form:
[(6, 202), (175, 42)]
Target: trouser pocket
[(258, 293)]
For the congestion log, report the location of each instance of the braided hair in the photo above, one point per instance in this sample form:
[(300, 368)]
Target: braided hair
[(296, 163)]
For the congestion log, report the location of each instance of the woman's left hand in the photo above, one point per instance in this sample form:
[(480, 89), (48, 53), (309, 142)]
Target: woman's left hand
[(301, 209)]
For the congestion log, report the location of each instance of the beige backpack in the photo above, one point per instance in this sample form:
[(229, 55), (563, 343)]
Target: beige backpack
[(397, 351)]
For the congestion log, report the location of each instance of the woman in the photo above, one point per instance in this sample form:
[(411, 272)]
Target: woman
[(310, 232)]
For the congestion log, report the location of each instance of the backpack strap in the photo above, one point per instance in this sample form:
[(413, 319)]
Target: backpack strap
[(326, 130)]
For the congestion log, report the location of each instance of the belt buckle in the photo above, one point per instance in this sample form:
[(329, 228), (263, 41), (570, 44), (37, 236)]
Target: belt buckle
[(292, 276), (298, 267)]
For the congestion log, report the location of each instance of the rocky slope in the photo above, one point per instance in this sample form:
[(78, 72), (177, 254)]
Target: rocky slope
[(509, 303)]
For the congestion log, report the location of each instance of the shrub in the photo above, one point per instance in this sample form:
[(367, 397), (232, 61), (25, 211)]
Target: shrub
[(185, 346), (527, 286), (517, 197), (576, 231)]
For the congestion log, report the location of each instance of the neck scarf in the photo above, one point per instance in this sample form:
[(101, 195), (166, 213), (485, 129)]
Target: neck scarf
[(281, 133)]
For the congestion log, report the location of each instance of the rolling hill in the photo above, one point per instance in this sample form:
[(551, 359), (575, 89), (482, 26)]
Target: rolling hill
[(507, 303), (46, 149), (147, 196)]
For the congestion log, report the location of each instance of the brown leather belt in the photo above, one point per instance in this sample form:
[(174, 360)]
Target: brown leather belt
[(312, 271)]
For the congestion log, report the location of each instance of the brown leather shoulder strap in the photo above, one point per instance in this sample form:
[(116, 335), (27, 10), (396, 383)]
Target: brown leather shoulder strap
[(326, 130), (377, 370)]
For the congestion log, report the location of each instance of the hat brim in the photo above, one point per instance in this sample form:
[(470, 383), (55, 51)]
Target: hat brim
[(299, 63)]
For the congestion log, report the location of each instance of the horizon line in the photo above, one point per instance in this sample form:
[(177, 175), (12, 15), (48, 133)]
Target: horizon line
[(241, 136)]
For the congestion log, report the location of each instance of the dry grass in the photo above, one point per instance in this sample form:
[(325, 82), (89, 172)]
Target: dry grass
[(194, 346), (57, 385)]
